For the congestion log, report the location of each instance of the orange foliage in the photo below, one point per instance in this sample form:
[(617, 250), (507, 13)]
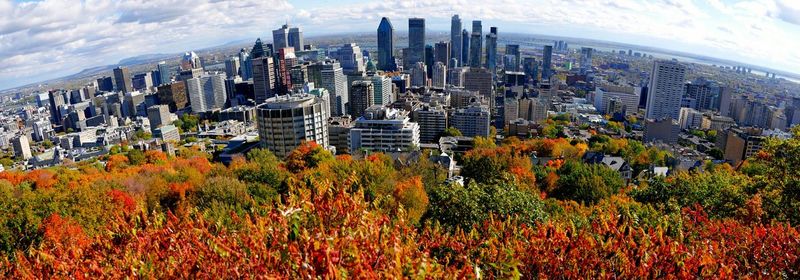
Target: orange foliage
[(42, 178), (62, 233), (124, 200), (154, 156), (115, 162), (13, 177), (411, 194)]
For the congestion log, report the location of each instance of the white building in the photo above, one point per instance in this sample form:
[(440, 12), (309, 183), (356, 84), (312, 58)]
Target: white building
[(207, 92), (472, 121), (690, 118), (439, 75), (665, 90), (382, 89), (384, 129), (286, 121), (22, 149)]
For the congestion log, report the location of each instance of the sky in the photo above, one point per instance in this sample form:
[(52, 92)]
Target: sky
[(41, 40)]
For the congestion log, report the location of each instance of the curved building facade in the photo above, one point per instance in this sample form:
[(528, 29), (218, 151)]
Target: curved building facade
[(285, 121)]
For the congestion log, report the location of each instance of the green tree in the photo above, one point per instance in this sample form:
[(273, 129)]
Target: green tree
[(136, 157), (451, 131), (586, 183)]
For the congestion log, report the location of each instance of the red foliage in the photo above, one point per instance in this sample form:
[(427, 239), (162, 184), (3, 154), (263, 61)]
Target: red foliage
[(124, 200), (154, 156), (61, 233)]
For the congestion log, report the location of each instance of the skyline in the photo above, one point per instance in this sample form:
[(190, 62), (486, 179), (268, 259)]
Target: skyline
[(45, 37)]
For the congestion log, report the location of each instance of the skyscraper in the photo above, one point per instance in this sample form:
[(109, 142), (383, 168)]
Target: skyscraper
[(122, 79), (207, 92), (455, 39), (513, 50), (441, 52), (547, 56), (464, 59), (287, 37), (165, 73), (416, 41), (246, 65), (491, 50), (586, 59), (476, 44), (419, 75), (158, 116), (258, 50), (333, 79), (439, 75), (665, 90), (351, 59), (296, 38), (232, 66), (263, 78), (284, 122), (286, 60), (385, 45)]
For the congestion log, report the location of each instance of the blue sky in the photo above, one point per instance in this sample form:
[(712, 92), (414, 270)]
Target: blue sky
[(40, 40)]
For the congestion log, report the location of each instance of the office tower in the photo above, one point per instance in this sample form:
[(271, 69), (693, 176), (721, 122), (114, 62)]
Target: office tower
[(207, 92), (416, 41), (665, 90), (122, 79), (384, 129), (105, 84), (246, 66), (429, 60), (472, 121), (455, 39), (232, 67), (299, 77), (158, 116), (133, 104), (690, 118), (441, 52), (286, 60), (455, 76), (476, 44), (264, 78), (331, 77), (57, 100), (547, 56), (351, 59), (513, 50), (531, 69), (386, 45), (22, 149), (142, 81), (480, 80), (432, 120), (295, 38), (533, 109), (382, 89), (286, 121), (173, 95), (258, 50), (190, 61), (42, 100), (586, 59), (465, 38), (628, 97), (491, 50), (439, 76), (287, 37), (42, 130), (419, 75), (705, 93), (165, 73), (360, 98)]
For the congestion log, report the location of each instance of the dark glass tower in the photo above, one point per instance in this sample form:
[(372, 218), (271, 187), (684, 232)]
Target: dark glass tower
[(455, 39), (464, 48), (547, 55), (416, 41), (476, 44), (385, 45)]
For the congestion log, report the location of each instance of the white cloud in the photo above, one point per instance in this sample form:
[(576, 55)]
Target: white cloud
[(52, 38)]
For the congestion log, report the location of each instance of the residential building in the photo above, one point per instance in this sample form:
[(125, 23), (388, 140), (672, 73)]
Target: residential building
[(158, 115), (207, 92), (384, 129), (432, 120), (286, 121), (665, 90), (472, 121)]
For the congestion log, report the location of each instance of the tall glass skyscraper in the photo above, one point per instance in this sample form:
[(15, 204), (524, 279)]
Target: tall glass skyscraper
[(416, 41), (385, 45), (491, 50), (547, 56), (464, 48), (455, 39), (476, 44)]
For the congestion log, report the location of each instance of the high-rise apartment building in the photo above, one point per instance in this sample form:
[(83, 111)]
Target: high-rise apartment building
[(455, 39), (386, 45), (286, 121), (480, 80), (158, 116), (384, 129), (472, 121), (207, 92), (286, 59), (665, 90), (328, 74), (360, 98), (264, 78), (22, 149), (382, 88), (432, 120)]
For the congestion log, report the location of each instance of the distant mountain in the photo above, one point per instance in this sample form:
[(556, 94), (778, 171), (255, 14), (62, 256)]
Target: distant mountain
[(144, 58)]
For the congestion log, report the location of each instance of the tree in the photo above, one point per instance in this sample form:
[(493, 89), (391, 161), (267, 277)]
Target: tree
[(135, 157), (451, 131), (308, 155), (586, 183), (411, 194)]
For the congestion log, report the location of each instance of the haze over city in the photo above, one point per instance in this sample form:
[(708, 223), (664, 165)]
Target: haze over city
[(41, 40)]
